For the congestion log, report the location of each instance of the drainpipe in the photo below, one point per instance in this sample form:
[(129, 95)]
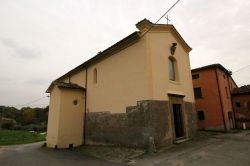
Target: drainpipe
[(221, 104), (85, 109), (231, 100)]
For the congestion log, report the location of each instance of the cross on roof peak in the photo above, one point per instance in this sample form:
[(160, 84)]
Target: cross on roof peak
[(168, 20)]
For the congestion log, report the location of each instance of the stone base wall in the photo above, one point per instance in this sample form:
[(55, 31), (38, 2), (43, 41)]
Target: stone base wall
[(138, 127), (191, 113), (146, 125)]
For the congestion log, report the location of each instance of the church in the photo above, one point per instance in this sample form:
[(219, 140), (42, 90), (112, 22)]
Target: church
[(136, 93)]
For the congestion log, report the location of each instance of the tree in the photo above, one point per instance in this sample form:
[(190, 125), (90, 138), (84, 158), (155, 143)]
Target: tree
[(28, 116)]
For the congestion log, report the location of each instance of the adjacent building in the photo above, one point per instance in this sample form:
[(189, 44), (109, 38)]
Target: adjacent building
[(137, 92), (213, 85), (241, 105)]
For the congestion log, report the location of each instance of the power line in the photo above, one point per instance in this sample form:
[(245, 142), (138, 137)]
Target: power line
[(166, 12), (161, 17), (29, 103), (241, 69), (36, 100)]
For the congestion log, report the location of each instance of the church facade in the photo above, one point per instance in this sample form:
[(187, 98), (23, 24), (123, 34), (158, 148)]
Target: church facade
[(135, 93)]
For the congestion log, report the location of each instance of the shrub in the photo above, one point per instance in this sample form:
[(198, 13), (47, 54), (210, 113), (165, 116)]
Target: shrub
[(35, 127), (7, 125), (18, 127)]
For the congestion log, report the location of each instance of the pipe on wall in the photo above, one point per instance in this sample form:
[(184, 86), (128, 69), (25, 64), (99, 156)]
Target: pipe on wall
[(231, 100), (85, 109), (221, 104)]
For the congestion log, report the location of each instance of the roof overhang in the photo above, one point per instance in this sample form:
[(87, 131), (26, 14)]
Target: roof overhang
[(63, 85), (219, 66), (146, 26), (243, 90)]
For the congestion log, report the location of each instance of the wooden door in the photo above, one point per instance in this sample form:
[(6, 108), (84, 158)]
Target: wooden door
[(178, 120)]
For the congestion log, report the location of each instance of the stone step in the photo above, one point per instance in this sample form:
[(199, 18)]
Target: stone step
[(181, 140)]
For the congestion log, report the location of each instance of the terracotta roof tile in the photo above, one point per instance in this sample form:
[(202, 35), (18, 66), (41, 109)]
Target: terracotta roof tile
[(241, 90), (69, 85), (217, 65)]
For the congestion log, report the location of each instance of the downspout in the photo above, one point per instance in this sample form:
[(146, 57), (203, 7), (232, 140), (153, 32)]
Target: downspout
[(85, 109), (221, 104), (231, 100)]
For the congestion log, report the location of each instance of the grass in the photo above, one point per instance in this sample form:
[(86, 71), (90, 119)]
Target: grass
[(12, 137)]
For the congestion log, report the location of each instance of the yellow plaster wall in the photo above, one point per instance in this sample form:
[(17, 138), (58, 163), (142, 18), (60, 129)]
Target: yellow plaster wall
[(122, 80), (66, 80), (53, 119), (159, 48), (71, 118), (79, 78), (65, 123), (139, 72)]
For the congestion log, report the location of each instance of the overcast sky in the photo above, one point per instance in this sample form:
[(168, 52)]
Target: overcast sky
[(41, 40)]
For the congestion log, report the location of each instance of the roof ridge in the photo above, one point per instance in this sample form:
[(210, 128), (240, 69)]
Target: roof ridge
[(241, 90), (214, 65)]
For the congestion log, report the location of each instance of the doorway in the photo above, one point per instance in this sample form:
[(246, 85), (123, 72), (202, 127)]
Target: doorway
[(178, 120), (230, 117)]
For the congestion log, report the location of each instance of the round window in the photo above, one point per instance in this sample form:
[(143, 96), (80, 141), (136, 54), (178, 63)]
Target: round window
[(75, 102)]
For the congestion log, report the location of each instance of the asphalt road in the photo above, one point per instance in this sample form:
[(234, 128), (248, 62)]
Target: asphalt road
[(231, 149), (209, 149), (34, 154)]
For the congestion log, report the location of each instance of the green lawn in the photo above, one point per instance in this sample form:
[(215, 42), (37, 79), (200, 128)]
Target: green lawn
[(12, 137)]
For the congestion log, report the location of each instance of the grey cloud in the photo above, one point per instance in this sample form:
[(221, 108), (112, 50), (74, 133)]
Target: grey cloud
[(70, 32), (38, 81), (20, 50)]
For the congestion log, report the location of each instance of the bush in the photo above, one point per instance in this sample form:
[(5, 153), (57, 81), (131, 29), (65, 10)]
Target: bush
[(18, 127), (7, 125), (31, 127), (35, 127)]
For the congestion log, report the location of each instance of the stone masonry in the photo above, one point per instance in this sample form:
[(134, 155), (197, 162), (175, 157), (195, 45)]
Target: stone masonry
[(141, 126)]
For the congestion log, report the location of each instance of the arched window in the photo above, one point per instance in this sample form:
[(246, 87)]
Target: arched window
[(95, 76), (172, 68)]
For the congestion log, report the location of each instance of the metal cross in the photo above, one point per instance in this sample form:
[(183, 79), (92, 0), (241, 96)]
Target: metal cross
[(167, 19)]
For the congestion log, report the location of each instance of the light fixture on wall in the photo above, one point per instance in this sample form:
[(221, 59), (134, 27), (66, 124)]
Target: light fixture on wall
[(173, 48)]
